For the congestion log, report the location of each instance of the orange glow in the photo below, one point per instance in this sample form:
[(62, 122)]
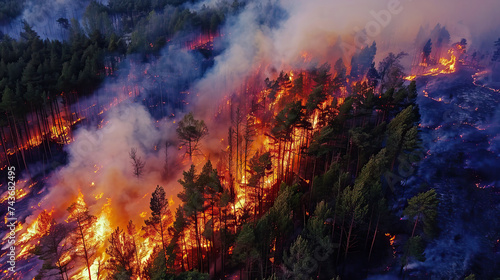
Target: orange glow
[(288, 159), (98, 196), (445, 65), (202, 41), (391, 242), (34, 231), (305, 56)]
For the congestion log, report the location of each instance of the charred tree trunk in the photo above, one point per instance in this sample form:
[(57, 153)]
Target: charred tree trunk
[(374, 236), (4, 147), (86, 256), (198, 242), (349, 236)]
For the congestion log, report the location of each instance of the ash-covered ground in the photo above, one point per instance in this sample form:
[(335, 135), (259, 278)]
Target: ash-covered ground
[(461, 134)]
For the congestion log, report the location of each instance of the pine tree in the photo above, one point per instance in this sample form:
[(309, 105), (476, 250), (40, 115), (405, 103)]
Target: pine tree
[(161, 216), (414, 249), (402, 133), (259, 167), (423, 208), (426, 52), (137, 163), (353, 206), (193, 198), (132, 231), (121, 251), (83, 233), (391, 71), (298, 262), (340, 73), (53, 249), (211, 187), (177, 242), (245, 249), (317, 232), (190, 132)]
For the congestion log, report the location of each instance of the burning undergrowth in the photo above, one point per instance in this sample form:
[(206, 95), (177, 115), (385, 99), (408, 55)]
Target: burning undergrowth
[(100, 186)]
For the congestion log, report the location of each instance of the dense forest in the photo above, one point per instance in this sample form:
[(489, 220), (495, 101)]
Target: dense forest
[(311, 203), (38, 76), (308, 183)]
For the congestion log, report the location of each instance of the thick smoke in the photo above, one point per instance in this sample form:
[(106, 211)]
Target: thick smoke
[(269, 36), (99, 165), (311, 32), (42, 15), (264, 38)]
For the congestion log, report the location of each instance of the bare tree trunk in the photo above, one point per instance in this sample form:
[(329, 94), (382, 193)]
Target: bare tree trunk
[(340, 239), (163, 241), (87, 260), (312, 180), (4, 147), (349, 236), (136, 256), (40, 132), (58, 258), (237, 142), (414, 226), (198, 242), (374, 236), (368, 231), (13, 139), (21, 148)]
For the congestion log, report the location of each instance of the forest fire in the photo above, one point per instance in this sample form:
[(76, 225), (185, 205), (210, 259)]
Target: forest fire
[(445, 65), (255, 180), (245, 140), (202, 41)]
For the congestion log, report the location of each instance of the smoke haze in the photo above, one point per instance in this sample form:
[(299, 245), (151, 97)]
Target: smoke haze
[(264, 38)]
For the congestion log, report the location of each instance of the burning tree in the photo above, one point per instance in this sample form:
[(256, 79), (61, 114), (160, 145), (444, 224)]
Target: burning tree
[(391, 71), (132, 231), (190, 132), (83, 234), (178, 242), (426, 52), (285, 122), (192, 197), (54, 249), (362, 61), (260, 166), (210, 183), (160, 218), (122, 253)]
